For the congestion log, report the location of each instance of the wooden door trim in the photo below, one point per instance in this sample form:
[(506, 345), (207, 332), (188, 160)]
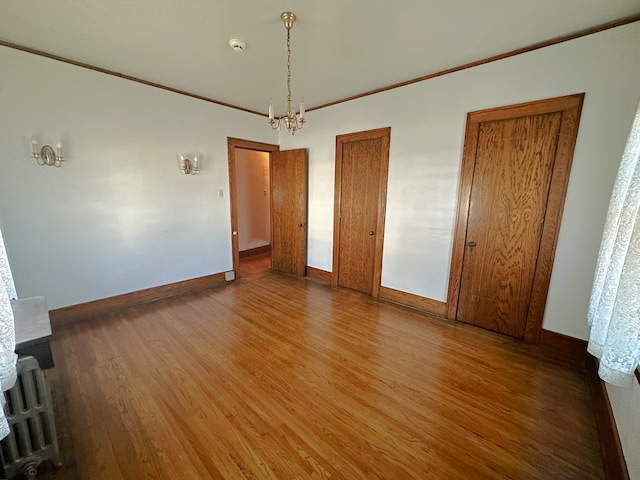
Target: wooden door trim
[(232, 144), (571, 107), (384, 134)]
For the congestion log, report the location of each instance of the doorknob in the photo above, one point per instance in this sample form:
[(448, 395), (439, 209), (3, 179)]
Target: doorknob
[(471, 245), (370, 232), (299, 225)]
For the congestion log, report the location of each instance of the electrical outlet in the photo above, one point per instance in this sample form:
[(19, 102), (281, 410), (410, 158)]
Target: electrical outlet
[(220, 193)]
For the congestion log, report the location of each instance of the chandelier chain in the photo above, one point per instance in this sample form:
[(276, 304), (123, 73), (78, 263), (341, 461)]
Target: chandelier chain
[(289, 66)]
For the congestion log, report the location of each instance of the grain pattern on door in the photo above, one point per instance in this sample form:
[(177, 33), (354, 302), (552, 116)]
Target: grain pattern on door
[(360, 178), (511, 179), (361, 182), (288, 172)]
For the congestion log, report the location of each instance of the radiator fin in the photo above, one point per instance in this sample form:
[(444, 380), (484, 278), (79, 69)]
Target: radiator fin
[(29, 411)]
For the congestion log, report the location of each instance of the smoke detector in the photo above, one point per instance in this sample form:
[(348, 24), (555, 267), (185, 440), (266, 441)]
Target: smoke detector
[(237, 45)]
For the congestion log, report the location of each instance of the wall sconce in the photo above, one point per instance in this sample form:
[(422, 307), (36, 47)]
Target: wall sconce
[(46, 156), (189, 167)]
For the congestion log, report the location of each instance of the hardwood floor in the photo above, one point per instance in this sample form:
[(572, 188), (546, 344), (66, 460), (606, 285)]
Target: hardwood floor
[(252, 266), (279, 377)]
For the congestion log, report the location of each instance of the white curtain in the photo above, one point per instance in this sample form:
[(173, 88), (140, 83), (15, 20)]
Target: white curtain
[(614, 309), (5, 272), (7, 335)]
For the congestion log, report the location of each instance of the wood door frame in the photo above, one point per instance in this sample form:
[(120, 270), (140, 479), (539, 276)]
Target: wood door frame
[(571, 107), (385, 135), (232, 144)]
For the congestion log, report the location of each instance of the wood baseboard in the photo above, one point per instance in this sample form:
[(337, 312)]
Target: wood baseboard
[(569, 351), (564, 343), (423, 304), (319, 274), (63, 316), (613, 462), (254, 252)]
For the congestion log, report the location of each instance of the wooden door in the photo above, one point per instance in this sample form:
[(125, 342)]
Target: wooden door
[(515, 172), (514, 161), (288, 171), (361, 185)]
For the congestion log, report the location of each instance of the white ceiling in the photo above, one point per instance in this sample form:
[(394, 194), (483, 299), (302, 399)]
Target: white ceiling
[(340, 48)]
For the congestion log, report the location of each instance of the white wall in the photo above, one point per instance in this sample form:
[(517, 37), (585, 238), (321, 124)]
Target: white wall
[(253, 195), (427, 122), (119, 215)]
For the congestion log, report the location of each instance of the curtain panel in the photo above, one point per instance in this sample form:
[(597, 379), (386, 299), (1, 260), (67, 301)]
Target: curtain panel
[(614, 307), (8, 356), (6, 279)]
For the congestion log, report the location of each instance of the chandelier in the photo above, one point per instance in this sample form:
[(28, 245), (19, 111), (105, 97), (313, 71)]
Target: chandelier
[(291, 119)]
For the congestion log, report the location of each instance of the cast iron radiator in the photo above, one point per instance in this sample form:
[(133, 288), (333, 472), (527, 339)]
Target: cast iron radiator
[(29, 411)]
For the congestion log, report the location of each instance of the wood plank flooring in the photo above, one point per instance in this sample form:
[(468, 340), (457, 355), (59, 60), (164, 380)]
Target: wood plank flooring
[(278, 377)]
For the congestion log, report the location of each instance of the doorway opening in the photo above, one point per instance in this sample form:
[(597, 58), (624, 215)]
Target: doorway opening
[(254, 214), (286, 195), (250, 195)]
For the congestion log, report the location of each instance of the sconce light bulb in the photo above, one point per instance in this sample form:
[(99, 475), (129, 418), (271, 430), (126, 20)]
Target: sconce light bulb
[(34, 147)]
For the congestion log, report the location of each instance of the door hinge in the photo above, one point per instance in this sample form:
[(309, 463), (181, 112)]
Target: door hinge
[(541, 228)]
